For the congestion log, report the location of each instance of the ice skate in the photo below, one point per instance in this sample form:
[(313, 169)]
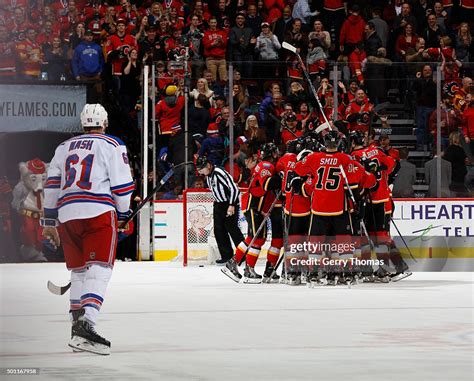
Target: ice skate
[(250, 276), (267, 275), (381, 275), (85, 338), (401, 272), (232, 270), (294, 279), (76, 314)]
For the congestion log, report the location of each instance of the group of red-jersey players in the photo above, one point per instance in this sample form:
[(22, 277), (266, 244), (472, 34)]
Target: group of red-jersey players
[(331, 195)]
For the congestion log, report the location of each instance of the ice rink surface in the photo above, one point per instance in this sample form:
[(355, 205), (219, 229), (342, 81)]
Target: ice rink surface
[(167, 322)]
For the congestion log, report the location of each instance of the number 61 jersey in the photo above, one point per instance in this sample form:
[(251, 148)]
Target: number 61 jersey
[(88, 176)]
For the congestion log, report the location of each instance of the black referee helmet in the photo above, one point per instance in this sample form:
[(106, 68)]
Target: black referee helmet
[(201, 162)]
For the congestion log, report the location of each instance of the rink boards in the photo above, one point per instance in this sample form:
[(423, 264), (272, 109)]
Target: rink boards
[(436, 229)]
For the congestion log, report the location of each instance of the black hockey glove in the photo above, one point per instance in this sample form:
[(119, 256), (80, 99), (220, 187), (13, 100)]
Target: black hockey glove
[(275, 182), (296, 184)]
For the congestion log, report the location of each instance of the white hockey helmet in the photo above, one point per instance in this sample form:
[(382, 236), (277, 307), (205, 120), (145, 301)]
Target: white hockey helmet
[(93, 115)]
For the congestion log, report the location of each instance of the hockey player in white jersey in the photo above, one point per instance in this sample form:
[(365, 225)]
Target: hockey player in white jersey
[(87, 194)]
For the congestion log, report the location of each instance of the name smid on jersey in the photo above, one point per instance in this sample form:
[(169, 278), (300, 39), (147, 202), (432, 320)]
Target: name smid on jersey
[(88, 176), (327, 187)]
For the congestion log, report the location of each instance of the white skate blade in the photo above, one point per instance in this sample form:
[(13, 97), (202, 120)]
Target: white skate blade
[(401, 276), (80, 344), (229, 273), (252, 280), (271, 280)]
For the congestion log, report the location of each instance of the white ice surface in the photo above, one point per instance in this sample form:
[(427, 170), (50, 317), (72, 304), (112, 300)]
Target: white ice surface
[(166, 322)]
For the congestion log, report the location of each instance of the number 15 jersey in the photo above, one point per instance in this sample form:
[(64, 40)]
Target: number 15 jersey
[(88, 176), (327, 187)]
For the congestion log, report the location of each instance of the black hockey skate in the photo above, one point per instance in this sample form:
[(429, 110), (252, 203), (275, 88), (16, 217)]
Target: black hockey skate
[(76, 315), (232, 270), (250, 276), (401, 272), (294, 279), (267, 275), (85, 338), (382, 275)]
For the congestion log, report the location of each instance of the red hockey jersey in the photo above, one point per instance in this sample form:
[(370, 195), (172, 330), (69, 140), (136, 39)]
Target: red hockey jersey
[(257, 195), (215, 43), (121, 45), (301, 205), (358, 116), (386, 165), (169, 118), (327, 187)]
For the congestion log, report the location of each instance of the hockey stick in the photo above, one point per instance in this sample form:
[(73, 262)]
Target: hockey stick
[(285, 243), (162, 182), (351, 196), (61, 290), (262, 224), (292, 49), (58, 290), (403, 239)]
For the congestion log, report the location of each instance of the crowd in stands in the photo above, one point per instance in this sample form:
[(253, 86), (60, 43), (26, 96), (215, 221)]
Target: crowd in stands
[(106, 43)]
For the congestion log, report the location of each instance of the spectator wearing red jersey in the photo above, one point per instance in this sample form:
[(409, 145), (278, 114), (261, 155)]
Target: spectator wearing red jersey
[(177, 5), (47, 34), (18, 25), (357, 61), (359, 112), (175, 21), (30, 55), (117, 48), (71, 18), (215, 44), (291, 128), (127, 12), (7, 55), (274, 9), (168, 112), (352, 31), (304, 114)]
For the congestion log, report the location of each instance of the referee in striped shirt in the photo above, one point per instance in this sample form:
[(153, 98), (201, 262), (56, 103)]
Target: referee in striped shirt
[(226, 207)]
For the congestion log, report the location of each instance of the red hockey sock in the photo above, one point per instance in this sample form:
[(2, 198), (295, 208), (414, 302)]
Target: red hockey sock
[(240, 251), (273, 254)]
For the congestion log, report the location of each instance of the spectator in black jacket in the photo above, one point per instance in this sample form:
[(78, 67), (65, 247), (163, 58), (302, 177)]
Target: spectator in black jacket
[(199, 116), (242, 44), (55, 60), (253, 20), (372, 40), (432, 33), (457, 157), (283, 24), (425, 89)]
